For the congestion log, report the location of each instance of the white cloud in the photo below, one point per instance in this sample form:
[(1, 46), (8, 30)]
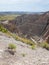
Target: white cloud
[(28, 5), (18, 1), (24, 1)]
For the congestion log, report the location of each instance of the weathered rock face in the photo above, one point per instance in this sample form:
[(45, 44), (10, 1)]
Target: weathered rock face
[(48, 40), (30, 25), (46, 36)]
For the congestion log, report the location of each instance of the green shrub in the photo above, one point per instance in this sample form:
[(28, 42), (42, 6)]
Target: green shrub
[(12, 46), (2, 29), (45, 45), (33, 46), (23, 54)]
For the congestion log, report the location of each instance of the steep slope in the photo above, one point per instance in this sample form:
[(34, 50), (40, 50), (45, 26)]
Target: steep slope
[(28, 25), (38, 56)]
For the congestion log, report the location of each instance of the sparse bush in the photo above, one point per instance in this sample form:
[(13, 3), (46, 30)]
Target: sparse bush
[(2, 29), (12, 48), (33, 46), (23, 54), (45, 45)]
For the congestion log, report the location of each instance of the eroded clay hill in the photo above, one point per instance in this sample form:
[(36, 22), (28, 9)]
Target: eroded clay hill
[(30, 25)]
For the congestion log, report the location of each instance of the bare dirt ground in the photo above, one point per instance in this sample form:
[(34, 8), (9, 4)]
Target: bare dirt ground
[(38, 56)]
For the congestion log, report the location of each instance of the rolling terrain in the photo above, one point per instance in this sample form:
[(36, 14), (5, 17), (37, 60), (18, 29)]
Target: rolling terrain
[(30, 35), (30, 25)]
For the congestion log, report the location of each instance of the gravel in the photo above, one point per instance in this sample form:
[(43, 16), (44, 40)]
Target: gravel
[(38, 56)]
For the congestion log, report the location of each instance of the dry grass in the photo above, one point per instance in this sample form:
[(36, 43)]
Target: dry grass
[(12, 46), (45, 45), (2, 29), (24, 40)]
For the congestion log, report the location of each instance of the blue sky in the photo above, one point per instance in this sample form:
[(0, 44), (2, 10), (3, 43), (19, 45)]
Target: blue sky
[(24, 5)]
